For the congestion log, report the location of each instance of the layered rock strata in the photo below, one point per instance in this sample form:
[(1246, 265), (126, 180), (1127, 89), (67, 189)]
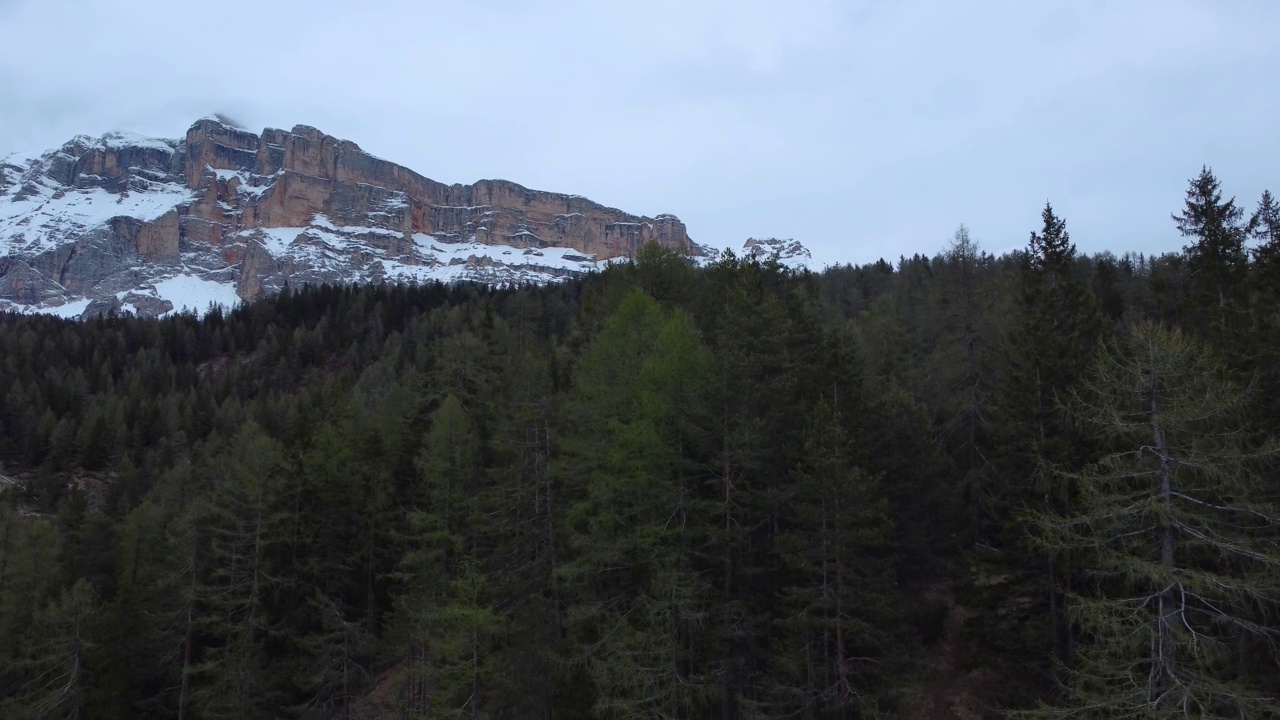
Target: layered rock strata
[(132, 223)]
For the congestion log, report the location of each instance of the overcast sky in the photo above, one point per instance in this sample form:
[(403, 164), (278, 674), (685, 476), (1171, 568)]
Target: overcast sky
[(862, 129)]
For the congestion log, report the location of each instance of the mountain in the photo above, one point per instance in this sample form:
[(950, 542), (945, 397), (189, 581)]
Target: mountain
[(789, 253), (150, 225)]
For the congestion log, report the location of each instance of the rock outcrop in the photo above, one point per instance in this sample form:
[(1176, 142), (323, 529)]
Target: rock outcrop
[(787, 252), (115, 222)]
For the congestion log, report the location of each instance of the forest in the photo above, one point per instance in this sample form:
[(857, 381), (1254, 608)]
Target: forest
[(1035, 485)]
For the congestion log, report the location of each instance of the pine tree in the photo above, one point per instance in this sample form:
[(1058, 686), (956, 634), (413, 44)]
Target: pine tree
[(149, 620), (757, 427), (521, 544), (1265, 228), (446, 613), (1058, 326), (28, 581), (244, 525), (1216, 257), (335, 658), (837, 614), (1171, 530), (635, 605), (56, 659), (963, 363), (1265, 340)]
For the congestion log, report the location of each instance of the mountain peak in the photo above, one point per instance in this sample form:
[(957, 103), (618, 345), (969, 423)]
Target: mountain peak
[(130, 222), (789, 252)]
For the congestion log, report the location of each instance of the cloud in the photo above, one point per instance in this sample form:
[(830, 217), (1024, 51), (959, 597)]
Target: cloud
[(862, 128)]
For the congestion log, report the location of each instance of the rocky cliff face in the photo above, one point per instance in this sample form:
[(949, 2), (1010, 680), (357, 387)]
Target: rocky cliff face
[(149, 225)]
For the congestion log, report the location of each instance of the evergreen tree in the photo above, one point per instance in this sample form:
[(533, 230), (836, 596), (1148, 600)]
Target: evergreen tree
[(336, 659), (1265, 339), (56, 659), (337, 580), (28, 581), (1058, 325), (447, 613), (764, 356), (963, 363), (1216, 257), (635, 604), (1265, 227), (1171, 528), (150, 618), (244, 525), (837, 614)]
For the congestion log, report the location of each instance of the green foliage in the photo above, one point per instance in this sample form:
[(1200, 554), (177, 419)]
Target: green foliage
[(839, 625), (1057, 324), (635, 605), (1216, 257), (656, 491), (1173, 532), (55, 660)]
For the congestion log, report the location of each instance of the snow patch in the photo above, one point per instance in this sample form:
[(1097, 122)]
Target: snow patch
[(44, 220), (121, 139), (323, 221), (789, 253), (275, 240), (72, 310), (246, 186), (188, 293), (459, 260)]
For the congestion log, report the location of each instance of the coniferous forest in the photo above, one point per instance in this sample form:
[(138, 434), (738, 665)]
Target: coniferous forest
[(1041, 484)]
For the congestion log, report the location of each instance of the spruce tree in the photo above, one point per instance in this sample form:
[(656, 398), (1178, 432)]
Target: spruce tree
[(837, 617), (446, 613), (635, 604), (56, 660), (1057, 324), (1216, 256), (1264, 225), (28, 581), (1173, 533), (1265, 340), (245, 525)]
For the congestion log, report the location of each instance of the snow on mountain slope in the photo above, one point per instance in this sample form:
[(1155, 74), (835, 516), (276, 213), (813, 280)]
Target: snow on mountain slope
[(41, 221), (790, 253), (151, 226)]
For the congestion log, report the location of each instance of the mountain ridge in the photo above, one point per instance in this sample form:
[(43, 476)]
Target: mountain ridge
[(131, 223)]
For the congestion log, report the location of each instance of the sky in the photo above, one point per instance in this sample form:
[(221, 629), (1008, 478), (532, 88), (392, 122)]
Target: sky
[(862, 128)]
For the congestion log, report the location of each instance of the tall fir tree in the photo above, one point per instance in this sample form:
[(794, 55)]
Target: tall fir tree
[(56, 661), (1216, 257), (837, 616), (1056, 326), (447, 613), (1174, 534), (635, 605), (245, 526), (1265, 227)]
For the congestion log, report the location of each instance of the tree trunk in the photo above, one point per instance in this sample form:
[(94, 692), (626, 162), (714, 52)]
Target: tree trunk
[(1163, 674)]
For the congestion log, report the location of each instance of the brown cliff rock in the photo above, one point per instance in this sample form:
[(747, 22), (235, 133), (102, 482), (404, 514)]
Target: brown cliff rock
[(312, 173), (111, 219)]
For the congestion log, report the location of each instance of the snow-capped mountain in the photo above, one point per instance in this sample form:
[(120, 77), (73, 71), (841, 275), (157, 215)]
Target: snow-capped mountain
[(152, 226), (789, 253)]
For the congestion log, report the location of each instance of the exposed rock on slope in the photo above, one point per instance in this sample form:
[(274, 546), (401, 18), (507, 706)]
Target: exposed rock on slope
[(148, 225), (788, 252)]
